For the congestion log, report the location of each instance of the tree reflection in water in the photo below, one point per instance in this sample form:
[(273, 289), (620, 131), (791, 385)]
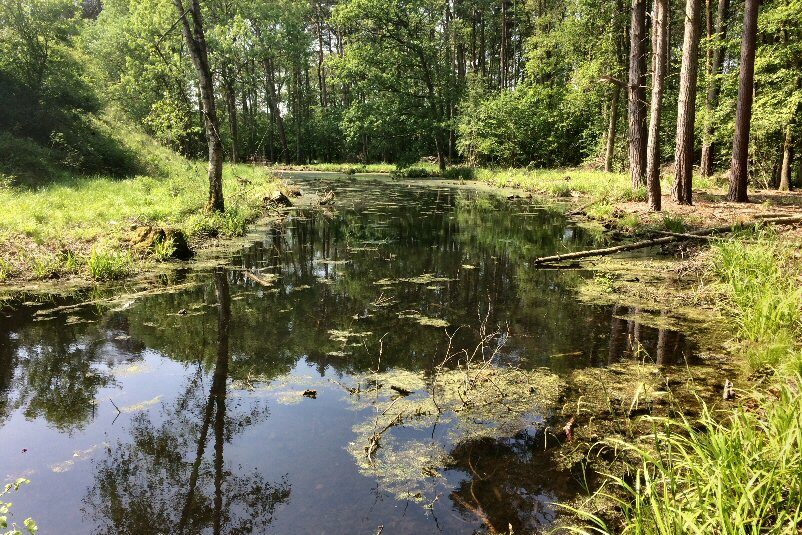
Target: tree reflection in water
[(166, 481)]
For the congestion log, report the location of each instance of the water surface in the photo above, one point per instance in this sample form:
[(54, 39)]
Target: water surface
[(185, 411)]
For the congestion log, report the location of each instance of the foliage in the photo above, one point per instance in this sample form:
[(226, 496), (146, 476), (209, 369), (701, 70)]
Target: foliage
[(5, 508)]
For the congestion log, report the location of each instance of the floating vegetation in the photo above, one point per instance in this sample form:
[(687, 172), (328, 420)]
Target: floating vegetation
[(141, 406), (425, 279), (346, 336), (424, 320), (470, 403)]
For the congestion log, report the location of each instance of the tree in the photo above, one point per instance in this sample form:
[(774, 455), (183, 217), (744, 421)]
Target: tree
[(743, 115), (714, 64), (788, 147), (192, 27), (686, 112), (659, 66), (637, 94)]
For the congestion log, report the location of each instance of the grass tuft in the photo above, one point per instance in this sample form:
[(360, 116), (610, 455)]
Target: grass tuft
[(736, 475), (759, 281), (107, 265)]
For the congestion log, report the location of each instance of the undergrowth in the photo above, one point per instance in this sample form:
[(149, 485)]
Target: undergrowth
[(737, 469)]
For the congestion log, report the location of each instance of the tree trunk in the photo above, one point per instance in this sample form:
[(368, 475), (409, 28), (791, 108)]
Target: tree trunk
[(272, 98), (743, 115), (196, 44), (686, 107), (714, 69), (785, 174), (637, 94), (231, 106), (612, 129), (659, 67)]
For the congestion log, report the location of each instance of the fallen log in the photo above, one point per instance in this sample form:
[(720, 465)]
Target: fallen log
[(674, 237)]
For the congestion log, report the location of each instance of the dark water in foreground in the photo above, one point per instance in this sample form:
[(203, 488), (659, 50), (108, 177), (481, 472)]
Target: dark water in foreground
[(214, 434)]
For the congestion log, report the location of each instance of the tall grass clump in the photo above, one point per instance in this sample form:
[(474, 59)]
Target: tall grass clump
[(106, 265), (760, 284), (742, 474)]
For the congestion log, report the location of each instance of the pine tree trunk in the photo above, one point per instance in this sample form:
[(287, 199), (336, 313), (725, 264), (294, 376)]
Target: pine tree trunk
[(714, 69), (686, 107), (612, 129), (196, 44), (637, 94), (785, 173), (659, 67), (743, 116)]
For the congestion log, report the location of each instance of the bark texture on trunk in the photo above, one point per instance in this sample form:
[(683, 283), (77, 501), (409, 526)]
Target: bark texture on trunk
[(659, 67), (686, 107), (743, 116), (196, 44), (785, 173), (637, 94), (612, 129), (711, 100)]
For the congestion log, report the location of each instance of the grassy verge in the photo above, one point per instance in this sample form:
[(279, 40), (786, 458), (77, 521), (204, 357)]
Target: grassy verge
[(79, 225), (736, 467)]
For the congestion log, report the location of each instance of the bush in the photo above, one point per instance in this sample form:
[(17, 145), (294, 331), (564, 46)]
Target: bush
[(460, 173)]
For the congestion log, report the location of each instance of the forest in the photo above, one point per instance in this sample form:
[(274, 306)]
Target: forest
[(401, 266)]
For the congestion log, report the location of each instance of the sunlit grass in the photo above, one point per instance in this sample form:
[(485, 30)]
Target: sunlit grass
[(760, 283), (51, 229), (731, 473)]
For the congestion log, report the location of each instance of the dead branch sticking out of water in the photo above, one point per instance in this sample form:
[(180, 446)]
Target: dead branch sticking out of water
[(643, 244)]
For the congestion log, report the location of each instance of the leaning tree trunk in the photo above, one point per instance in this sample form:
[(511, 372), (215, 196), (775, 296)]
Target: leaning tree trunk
[(686, 107), (196, 44), (612, 128), (659, 67), (637, 94), (743, 115), (785, 173), (711, 101)]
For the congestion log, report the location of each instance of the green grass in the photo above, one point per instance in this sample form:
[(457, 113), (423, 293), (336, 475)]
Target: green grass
[(51, 229), (738, 469), (345, 168), (604, 187), (732, 473), (106, 265), (760, 285)]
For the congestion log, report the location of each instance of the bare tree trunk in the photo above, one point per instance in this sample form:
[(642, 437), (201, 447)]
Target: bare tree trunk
[(714, 69), (196, 44), (686, 108), (659, 66), (637, 94), (743, 116), (612, 129), (785, 174), (231, 106), (272, 98)]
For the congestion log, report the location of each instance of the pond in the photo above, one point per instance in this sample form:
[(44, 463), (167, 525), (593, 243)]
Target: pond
[(390, 366)]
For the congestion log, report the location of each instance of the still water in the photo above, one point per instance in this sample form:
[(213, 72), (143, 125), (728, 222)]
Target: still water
[(388, 366)]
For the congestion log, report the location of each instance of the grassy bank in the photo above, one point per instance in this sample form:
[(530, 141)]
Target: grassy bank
[(736, 467), (76, 225)]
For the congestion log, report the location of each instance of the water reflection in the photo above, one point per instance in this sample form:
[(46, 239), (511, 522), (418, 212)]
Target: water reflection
[(166, 481), (214, 431)]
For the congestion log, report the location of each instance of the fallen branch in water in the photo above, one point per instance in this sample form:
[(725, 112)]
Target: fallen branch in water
[(674, 237)]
